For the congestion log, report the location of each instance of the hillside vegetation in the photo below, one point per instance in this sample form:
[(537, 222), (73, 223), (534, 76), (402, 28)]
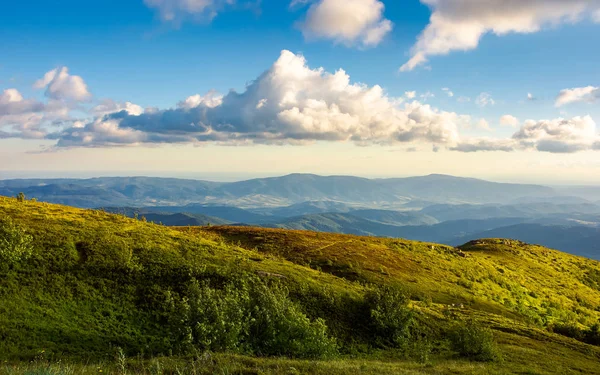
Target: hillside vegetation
[(100, 291)]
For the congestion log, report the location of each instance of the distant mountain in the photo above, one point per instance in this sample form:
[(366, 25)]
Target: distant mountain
[(399, 218), (444, 212), (306, 208), (230, 214), (337, 223), (578, 240), (168, 219), (448, 231), (271, 192)]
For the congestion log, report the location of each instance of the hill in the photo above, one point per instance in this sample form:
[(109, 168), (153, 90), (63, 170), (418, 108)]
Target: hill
[(362, 222), (581, 240), (77, 285), (166, 218)]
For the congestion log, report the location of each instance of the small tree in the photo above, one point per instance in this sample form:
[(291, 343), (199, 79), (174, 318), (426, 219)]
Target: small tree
[(15, 244), (474, 342), (21, 197)]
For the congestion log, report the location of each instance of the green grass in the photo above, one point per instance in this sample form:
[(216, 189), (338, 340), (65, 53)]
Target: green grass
[(96, 282)]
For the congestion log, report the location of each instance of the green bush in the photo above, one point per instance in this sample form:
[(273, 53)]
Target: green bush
[(279, 327), (391, 320), (219, 317), (473, 342), (15, 243), (568, 329), (592, 335), (247, 316)]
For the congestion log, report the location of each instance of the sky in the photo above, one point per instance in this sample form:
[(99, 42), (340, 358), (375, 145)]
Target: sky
[(507, 90)]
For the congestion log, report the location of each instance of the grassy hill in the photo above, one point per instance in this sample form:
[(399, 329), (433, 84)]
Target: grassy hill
[(99, 291)]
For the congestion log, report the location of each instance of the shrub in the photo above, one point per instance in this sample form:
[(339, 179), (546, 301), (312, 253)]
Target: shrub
[(15, 243), (592, 335), (279, 327), (246, 315), (391, 319), (568, 329), (473, 342), (219, 317)]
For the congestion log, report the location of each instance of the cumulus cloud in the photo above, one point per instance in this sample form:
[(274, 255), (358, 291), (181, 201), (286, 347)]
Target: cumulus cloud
[(350, 22), (509, 120), (485, 144), (579, 94), (458, 25), (13, 103), (60, 85), (288, 104), (110, 106), (555, 136), (24, 118), (211, 99)]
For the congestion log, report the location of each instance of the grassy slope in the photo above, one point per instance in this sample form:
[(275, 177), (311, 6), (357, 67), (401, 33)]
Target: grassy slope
[(504, 277), (506, 286)]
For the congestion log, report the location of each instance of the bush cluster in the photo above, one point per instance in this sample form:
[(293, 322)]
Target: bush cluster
[(472, 341), (15, 243), (246, 315), (589, 335)]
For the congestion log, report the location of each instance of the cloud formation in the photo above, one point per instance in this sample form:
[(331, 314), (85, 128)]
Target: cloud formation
[(509, 120), (288, 104), (458, 25), (448, 92), (24, 118), (580, 94), (555, 136), (349, 22), (60, 85), (484, 99), (176, 10)]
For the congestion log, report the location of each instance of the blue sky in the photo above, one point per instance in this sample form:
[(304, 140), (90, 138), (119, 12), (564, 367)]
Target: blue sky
[(131, 52)]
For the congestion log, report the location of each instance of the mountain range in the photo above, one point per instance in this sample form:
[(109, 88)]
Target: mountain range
[(439, 208)]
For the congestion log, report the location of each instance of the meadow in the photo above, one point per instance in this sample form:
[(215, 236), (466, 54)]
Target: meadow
[(84, 291)]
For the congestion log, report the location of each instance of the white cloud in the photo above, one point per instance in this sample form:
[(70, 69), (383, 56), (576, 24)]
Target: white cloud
[(484, 99), (555, 136), (176, 10), (458, 25), (485, 144), (24, 118), (579, 94), (463, 99), (448, 92), (509, 120), (290, 103), (60, 85), (410, 94), (530, 97), (108, 106), (211, 99), (349, 22)]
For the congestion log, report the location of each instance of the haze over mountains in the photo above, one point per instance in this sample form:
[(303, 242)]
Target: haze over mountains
[(437, 208)]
